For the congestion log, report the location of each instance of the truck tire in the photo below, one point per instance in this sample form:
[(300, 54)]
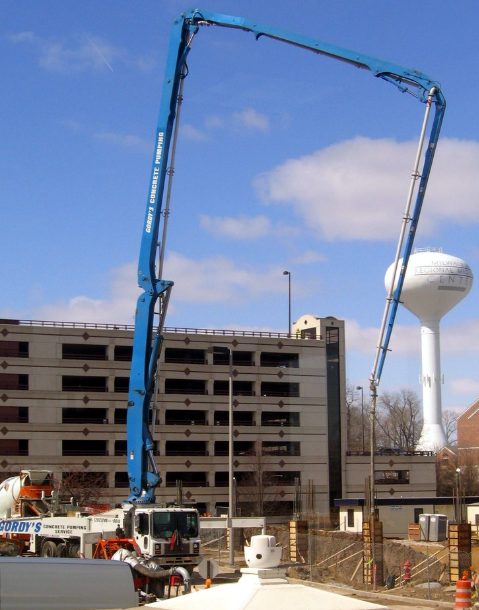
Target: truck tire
[(73, 550), (157, 587), (62, 550), (49, 549)]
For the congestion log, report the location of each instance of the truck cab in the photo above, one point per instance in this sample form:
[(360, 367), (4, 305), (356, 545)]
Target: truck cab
[(169, 536)]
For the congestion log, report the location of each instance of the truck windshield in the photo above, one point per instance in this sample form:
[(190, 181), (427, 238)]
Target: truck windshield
[(166, 523)]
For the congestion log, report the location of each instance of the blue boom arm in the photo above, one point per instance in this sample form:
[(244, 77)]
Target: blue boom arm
[(142, 471)]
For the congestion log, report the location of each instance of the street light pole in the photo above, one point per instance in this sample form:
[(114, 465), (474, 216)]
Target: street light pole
[(372, 507), (231, 482), (459, 496), (372, 416), (288, 273), (231, 503), (362, 412)]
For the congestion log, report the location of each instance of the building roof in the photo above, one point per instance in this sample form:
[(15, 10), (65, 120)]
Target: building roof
[(470, 412)]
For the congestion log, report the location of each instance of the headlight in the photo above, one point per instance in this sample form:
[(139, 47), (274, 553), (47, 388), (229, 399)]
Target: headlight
[(157, 548)]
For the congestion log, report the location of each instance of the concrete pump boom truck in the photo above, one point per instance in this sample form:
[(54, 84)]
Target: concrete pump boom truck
[(169, 536), (143, 472)]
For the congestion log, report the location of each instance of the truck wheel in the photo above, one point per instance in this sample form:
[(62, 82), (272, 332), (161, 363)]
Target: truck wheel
[(61, 550), (157, 587), (49, 549), (73, 550)]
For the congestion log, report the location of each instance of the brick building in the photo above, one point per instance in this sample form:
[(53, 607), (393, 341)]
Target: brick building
[(468, 428)]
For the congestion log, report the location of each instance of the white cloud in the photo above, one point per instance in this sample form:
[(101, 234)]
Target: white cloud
[(192, 133), (125, 140), (22, 37), (86, 52), (251, 119), (460, 338), (243, 227), (464, 387), (308, 257), (211, 280), (219, 280), (117, 308), (248, 228), (357, 189), (214, 122), (360, 339), (405, 340)]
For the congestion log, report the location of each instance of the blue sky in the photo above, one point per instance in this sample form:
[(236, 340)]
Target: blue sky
[(286, 161)]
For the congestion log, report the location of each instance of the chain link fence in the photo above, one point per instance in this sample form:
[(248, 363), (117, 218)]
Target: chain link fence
[(340, 557)]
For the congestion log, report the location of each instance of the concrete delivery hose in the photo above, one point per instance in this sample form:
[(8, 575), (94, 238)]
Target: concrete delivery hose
[(152, 569)]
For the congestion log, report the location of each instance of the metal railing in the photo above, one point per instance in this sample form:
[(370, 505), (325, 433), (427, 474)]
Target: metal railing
[(191, 391), (398, 453), (84, 357), (82, 452), (281, 424), (14, 386), (235, 393), (66, 387), (188, 484), (11, 419), (14, 451), (186, 452), (167, 329), (84, 420), (183, 422)]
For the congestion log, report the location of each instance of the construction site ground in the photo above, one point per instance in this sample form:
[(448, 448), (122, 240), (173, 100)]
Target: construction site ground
[(404, 601), (333, 560)]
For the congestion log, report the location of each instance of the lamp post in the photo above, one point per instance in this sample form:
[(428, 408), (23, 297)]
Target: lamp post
[(231, 503), (288, 273), (362, 413), (459, 496), (372, 417), (372, 507)]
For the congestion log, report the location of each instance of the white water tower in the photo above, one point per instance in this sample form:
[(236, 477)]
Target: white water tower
[(434, 283)]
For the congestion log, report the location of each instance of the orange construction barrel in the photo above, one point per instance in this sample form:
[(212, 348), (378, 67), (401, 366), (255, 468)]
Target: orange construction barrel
[(463, 594)]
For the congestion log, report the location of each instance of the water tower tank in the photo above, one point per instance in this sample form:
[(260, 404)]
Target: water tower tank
[(434, 283)]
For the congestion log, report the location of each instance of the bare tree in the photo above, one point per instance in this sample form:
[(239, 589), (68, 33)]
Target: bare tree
[(399, 419), (357, 414), (446, 464), (457, 469), (85, 487), (256, 487), (468, 464), (449, 423)]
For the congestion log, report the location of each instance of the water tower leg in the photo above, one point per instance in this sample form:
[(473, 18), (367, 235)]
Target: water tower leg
[(432, 435)]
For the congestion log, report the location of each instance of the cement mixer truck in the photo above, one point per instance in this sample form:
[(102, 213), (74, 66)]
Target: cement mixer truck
[(27, 494)]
